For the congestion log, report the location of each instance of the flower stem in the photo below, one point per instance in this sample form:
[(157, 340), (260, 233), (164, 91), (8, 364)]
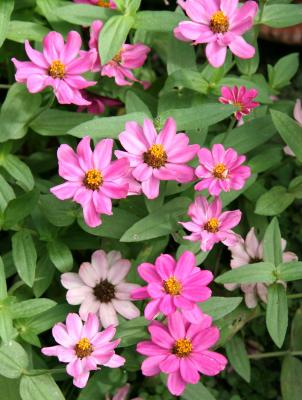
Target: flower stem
[(4, 86), (230, 127), (274, 354), (295, 296)]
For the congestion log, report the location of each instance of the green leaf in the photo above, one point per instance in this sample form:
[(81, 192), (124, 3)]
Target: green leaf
[(291, 271), (19, 31), (48, 8), (290, 131), (29, 308), (60, 255), (6, 8), (296, 331), (9, 388), (46, 320), (83, 14), (58, 212), (295, 187), (19, 171), (251, 273), (159, 223), (186, 78), (268, 158), (19, 208), (3, 288), (6, 193), (113, 35), (180, 56), (277, 313), (132, 6), (40, 387), (132, 332), (237, 356), (229, 197), (272, 251), (7, 331), (281, 15), (197, 392), (135, 104), (291, 379), (13, 360), (218, 307), (274, 201), (25, 256), (157, 21), (44, 275), (284, 70), (249, 66)]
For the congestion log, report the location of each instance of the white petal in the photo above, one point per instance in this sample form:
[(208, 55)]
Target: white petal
[(107, 315), (126, 308), (99, 264), (88, 275)]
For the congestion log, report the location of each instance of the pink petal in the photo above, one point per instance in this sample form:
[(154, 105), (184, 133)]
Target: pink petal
[(152, 309), (167, 134), (84, 153), (229, 219), (80, 381), (133, 139), (206, 338), (241, 48), (61, 335), (209, 362), (115, 361), (165, 265), (150, 187), (35, 56), (35, 83), (91, 217), (160, 336), (72, 47), (142, 172), (176, 384), (150, 365), (176, 325), (139, 294), (66, 190), (148, 348), (189, 371), (53, 43), (170, 364), (91, 326), (215, 54), (117, 169), (149, 132), (185, 265), (102, 154)]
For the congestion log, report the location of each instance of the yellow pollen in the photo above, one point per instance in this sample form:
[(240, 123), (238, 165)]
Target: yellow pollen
[(220, 171), (57, 69), (156, 156), (118, 57), (219, 22), (212, 225), (103, 3), (83, 348), (182, 347), (93, 179), (172, 286)]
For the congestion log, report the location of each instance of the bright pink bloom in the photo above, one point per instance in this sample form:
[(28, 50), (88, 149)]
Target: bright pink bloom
[(155, 157), (221, 170), (130, 56), (220, 24), (100, 3), (174, 285), (58, 66), (210, 225), (242, 98), (97, 103), (100, 288), (181, 350), (298, 118), (83, 347), (123, 392), (92, 178), (250, 251)]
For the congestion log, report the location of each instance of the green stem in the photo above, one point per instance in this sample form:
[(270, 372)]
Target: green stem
[(48, 104), (44, 371), (295, 296), (274, 354), (14, 287), (4, 86), (230, 127)]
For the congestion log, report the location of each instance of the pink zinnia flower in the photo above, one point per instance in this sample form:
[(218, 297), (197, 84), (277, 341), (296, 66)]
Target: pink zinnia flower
[(250, 251), (181, 350), (242, 98), (155, 157), (298, 118), (97, 104), (83, 347), (210, 225), (100, 288), (92, 178), (220, 24), (122, 393), (174, 285), (58, 66), (130, 56), (221, 170), (100, 3)]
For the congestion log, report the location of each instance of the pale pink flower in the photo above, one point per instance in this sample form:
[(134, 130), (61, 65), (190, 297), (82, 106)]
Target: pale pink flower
[(122, 394), (250, 251), (181, 350), (157, 156), (130, 56), (57, 66), (221, 170), (100, 288), (298, 117), (174, 285), (242, 98), (220, 24), (97, 104), (83, 347), (100, 3), (210, 225), (92, 178)]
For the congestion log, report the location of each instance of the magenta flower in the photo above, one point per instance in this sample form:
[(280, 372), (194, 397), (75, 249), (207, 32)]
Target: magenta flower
[(100, 288), (221, 170), (83, 347), (250, 251), (220, 24), (130, 56), (174, 285), (155, 157), (123, 392), (241, 98), (97, 104), (100, 3), (92, 178), (57, 66), (210, 225), (181, 350)]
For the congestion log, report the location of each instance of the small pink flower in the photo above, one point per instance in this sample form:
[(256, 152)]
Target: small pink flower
[(130, 56), (181, 350), (242, 98), (298, 117), (155, 157), (92, 178), (100, 288), (221, 170), (97, 103), (250, 251), (58, 66), (220, 24), (100, 3), (122, 393), (210, 225), (174, 285), (83, 347)]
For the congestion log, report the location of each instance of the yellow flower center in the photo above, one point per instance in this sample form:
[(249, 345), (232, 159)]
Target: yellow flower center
[(182, 347), (118, 57), (212, 225), (156, 156), (103, 3), (93, 179), (83, 348), (57, 69), (219, 22), (172, 286), (220, 171)]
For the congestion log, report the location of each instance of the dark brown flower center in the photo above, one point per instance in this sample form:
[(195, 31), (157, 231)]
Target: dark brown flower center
[(57, 69), (83, 348), (212, 225), (93, 179), (156, 156), (219, 22), (104, 291), (182, 347)]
